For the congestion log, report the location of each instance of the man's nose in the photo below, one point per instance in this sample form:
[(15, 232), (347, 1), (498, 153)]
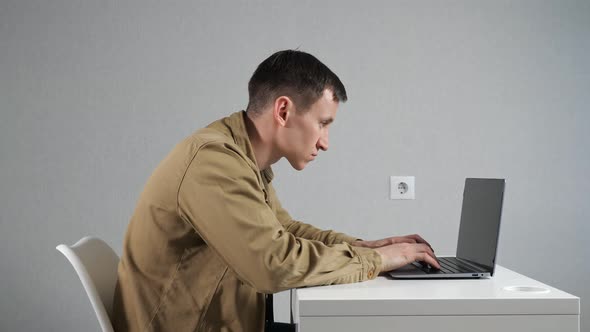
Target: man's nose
[(323, 142)]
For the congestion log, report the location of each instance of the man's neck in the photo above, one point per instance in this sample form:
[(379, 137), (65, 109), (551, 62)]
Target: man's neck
[(260, 141)]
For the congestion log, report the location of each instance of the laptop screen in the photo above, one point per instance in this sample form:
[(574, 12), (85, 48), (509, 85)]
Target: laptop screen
[(480, 220)]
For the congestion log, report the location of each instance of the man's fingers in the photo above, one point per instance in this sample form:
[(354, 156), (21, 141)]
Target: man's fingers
[(405, 240), (427, 254), (419, 239), (423, 247), (426, 257), (397, 255)]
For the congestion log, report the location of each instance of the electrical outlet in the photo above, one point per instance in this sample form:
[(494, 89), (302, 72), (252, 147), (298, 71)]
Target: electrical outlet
[(402, 187)]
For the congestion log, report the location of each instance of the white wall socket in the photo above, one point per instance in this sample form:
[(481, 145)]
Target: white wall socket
[(402, 187)]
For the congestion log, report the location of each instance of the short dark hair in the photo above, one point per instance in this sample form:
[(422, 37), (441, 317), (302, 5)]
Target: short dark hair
[(295, 74)]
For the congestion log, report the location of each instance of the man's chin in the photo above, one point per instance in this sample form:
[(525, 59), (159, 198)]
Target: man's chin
[(299, 166)]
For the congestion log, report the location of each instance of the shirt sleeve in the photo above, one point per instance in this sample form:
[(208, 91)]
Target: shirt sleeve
[(306, 231), (222, 197)]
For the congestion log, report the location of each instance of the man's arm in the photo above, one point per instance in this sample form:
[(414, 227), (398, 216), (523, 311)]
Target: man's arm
[(395, 251), (221, 197), (306, 231)]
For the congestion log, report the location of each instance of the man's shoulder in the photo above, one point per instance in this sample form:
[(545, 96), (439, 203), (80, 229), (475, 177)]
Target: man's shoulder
[(210, 136), (212, 141), (212, 153)]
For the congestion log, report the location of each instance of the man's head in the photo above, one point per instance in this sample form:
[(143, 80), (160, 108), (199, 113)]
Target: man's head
[(294, 74), (297, 96)]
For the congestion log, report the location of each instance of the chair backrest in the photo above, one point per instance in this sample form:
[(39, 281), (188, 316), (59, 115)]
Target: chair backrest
[(96, 264)]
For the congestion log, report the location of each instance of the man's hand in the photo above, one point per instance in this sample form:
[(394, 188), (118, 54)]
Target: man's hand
[(398, 251), (414, 238), (397, 255)]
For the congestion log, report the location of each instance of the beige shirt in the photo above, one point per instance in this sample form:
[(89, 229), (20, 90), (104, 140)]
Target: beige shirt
[(209, 238)]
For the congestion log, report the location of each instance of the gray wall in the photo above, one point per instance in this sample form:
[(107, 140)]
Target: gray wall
[(93, 94)]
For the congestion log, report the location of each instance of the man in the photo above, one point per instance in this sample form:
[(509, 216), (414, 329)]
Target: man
[(209, 237)]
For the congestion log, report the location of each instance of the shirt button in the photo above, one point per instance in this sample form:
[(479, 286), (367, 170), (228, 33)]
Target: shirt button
[(371, 273)]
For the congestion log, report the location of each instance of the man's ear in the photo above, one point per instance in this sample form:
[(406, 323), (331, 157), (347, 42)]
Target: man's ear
[(282, 110)]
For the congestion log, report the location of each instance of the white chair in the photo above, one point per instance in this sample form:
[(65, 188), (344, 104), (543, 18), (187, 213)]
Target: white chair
[(96, 264)]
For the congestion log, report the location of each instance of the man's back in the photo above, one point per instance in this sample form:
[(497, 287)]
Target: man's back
[(168, 275)]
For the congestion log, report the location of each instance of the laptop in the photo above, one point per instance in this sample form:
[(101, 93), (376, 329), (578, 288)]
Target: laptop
[(478, 236)]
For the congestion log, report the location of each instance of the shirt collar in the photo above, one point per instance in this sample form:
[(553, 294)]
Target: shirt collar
[(235, 127)]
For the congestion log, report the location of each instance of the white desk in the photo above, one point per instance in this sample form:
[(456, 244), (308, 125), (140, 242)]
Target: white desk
[(506, 302)]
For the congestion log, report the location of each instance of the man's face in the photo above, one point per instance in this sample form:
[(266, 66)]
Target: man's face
[(307, 132)]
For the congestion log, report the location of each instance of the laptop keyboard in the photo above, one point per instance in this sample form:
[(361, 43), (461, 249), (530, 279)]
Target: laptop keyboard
[(449, 265)]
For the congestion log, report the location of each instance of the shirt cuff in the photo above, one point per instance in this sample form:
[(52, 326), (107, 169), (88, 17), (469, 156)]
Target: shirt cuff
[(371, 262), (343, 238)]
